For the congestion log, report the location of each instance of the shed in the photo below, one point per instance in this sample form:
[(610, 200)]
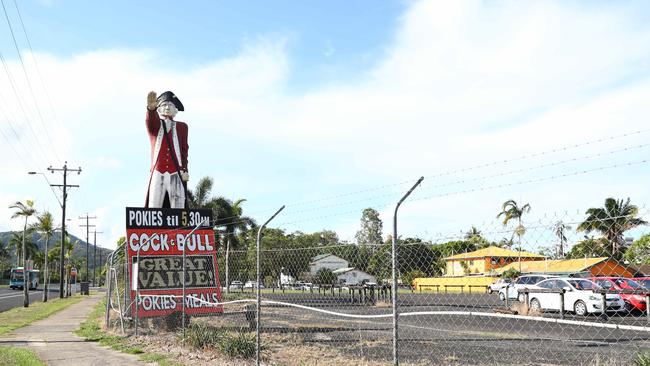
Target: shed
[(601, 266), (329, 261), (353, 276)]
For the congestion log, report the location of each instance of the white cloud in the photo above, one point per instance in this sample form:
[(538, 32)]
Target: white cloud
[(460, 83)]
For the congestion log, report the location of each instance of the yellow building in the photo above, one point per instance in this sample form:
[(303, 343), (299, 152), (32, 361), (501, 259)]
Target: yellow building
[(486, 260)]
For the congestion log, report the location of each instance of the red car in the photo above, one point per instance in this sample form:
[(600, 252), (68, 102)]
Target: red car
[(632, 301)]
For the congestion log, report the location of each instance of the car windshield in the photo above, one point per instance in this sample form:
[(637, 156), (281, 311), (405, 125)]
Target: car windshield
[(584, 285), (646, 283), (625, 283)]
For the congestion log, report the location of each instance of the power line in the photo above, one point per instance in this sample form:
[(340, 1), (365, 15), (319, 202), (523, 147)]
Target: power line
[(29, 84), (22, 108), (38, 70)]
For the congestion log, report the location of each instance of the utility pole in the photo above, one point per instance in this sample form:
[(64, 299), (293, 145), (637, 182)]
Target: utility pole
[(65, 186), (87, 226), (95, 255)]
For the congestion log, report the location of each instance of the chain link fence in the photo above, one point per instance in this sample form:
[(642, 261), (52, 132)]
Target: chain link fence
[(564, 289)]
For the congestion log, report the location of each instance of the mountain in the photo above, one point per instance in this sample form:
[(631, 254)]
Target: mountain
[(79, 250)]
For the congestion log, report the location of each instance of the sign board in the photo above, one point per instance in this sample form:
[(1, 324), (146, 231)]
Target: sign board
[(155, 240)]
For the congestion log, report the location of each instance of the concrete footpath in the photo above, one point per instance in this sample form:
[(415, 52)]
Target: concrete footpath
[(54, 341)]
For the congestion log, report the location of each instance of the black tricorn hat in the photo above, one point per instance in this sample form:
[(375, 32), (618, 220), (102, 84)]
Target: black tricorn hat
[(171, 97)]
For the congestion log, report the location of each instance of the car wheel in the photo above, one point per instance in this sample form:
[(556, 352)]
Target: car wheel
[(580, 308), (535, 305), (502, 296)]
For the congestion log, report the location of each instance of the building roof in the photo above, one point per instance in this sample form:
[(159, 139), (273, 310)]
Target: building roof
[(643, 269), (344, 270), (554, 266), (320, 256), (494, 252)]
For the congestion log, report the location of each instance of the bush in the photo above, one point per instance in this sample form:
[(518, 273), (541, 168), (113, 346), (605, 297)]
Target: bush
[(408, 277), (511, 273), (239, 344), (325, 276), (200, 335)]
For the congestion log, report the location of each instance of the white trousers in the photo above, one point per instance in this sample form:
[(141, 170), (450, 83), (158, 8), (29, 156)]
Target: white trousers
[(169, 183)]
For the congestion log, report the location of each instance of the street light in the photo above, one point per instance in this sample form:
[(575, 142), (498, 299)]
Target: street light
[(48, 184)]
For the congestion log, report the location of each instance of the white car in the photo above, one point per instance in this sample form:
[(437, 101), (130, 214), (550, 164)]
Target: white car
[(234, 285), (521, 283), (579, 297), (251, 284), (498, 285)]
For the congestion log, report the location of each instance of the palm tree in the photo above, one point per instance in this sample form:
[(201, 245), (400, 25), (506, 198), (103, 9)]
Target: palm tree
[(45, 226), (511, 210), (559, 229), (473, 233), (228, 215), (234, 223), (24, 210), (617, 217)]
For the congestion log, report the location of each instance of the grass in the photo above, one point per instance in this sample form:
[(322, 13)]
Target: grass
[(19, 357), (91, 331), (642, 359), (20, 317)]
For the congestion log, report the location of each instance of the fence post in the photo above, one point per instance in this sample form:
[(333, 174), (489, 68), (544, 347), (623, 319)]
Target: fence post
[(562, 304), (647, 307), (257, 297), (507, 295), (604, 316), (394, 273), (109, 265)]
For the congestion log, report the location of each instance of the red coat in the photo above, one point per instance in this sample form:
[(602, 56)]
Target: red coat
[(165, 163)]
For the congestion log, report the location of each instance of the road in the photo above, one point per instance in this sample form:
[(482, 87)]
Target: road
[(12, 298)]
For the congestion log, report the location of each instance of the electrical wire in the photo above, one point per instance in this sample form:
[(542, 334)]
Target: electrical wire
[(29, 84)]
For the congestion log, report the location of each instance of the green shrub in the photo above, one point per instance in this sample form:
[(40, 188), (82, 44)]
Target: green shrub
[(241, 345), (200, 335), (233, 344)]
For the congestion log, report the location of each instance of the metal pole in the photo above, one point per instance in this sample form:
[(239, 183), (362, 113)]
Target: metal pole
[(258, 302), (137, 290), (394, 273), (61, 255), (206, 221), (108, 292)]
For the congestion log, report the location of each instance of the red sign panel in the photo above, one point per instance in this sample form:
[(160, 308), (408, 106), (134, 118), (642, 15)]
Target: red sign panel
[(157, 240)]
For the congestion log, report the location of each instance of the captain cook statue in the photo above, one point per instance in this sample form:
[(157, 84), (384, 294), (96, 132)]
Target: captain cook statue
[(168, 178)]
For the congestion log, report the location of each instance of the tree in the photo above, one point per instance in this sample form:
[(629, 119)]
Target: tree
[(368, 237), (510, 273), (511, 210), (559, 229), (25, 210), (639, 251), (5, 261), (371, 228), (45, 226), (228, 215), (408, 277), (612, 221), (325, 276), (590, 248)]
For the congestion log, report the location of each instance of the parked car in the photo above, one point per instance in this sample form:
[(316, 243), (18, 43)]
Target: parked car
[(498, 285), (632, 301), (251, 285), (579, 296), (234, 285), (520, 283), (644, 281)]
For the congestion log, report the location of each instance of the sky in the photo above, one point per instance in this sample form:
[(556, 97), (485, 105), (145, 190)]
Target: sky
[(331, 107)]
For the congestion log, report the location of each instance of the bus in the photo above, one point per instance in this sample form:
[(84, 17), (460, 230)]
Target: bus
[(16, 279)]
